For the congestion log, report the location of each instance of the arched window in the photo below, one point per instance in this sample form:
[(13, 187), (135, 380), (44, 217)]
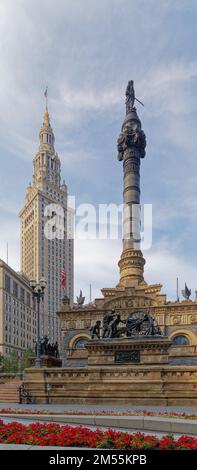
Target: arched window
[(180, 340), (80, 343)]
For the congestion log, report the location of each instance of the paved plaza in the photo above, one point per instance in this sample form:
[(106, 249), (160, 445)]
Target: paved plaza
[(97, 408), (157, 424)]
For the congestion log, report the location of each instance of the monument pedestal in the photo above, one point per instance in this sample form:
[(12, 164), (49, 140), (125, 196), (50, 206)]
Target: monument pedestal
[(123, 351), (47, 361), (124, 371)]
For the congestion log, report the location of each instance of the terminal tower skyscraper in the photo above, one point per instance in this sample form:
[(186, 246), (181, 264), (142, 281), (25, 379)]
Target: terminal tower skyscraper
[(40, 255)]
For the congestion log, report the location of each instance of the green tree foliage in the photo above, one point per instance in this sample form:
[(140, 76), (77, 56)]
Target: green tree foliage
[(26, 360), (13, 364), (10, 363)]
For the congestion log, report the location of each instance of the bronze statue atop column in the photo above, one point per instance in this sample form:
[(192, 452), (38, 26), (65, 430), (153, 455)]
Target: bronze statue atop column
[(131, 148)]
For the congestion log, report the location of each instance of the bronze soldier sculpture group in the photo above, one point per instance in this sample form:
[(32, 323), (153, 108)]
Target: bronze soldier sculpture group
[(136, 324), (48, 349)]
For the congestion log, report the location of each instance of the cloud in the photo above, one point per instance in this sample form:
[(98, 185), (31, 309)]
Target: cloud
[(176, 71), (10, 237), (169, 88), (96, 263), (164, 266), (86, 55), (90, 100)]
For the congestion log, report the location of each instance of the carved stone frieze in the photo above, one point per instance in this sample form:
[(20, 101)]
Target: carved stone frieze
[(176, 319), (193, 319)]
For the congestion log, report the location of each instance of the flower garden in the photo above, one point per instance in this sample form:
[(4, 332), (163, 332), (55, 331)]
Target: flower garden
[(164, 414), (55, 435)]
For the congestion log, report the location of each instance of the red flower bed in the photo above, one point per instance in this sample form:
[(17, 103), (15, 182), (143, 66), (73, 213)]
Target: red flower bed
[(56, 435)]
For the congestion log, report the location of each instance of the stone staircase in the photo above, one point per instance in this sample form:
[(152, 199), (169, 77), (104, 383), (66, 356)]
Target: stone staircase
[(9, 391)]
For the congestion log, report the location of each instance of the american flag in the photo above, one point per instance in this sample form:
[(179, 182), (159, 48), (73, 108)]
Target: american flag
[(63, 279)]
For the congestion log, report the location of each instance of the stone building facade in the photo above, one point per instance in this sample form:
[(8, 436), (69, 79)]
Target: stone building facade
[(18, 316)]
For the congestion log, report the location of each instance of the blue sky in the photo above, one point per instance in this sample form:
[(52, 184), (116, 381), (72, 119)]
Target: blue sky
[(86, 51)]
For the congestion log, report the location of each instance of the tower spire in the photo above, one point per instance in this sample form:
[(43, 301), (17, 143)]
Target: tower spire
[(46, 134), (46, 162), (131, 148), (46, 113)]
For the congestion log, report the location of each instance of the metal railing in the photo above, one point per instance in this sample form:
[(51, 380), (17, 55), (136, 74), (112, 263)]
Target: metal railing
[(24, 395)]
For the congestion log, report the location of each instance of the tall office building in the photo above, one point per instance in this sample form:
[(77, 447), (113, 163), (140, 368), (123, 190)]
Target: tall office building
[(18, 315), (46, 250)]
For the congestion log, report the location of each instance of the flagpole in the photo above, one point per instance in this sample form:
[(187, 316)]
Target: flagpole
[(177, 289), (46, 96), (90, 293)]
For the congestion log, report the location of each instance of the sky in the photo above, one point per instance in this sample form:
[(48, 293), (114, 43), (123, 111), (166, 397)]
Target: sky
[(86, 51)]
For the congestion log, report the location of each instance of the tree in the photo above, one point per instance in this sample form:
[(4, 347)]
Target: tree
[(12, 363), (26, 359)]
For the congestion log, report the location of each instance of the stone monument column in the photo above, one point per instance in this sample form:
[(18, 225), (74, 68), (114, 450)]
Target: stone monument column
[(131, 148)]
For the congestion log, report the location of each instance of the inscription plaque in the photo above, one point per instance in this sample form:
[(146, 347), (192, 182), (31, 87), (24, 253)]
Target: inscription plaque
[(127, 356)]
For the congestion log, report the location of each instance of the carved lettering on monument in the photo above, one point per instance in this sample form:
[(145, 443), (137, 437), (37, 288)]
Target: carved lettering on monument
[(128, 303), (127, 356)]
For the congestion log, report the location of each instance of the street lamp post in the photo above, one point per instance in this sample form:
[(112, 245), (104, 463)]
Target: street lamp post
[(38, 294)]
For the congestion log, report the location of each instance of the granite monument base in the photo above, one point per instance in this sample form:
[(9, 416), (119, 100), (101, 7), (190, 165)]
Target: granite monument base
[(47, 361), (123, 371), (114, 385), (132, 350)]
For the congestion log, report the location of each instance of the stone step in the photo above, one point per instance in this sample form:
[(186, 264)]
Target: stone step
[(9, 391)]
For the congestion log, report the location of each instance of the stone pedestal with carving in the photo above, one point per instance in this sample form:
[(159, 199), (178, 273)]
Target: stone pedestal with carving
[(133, 371), (120, 384), (128, 351), (47, 361)]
